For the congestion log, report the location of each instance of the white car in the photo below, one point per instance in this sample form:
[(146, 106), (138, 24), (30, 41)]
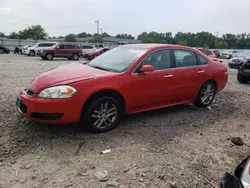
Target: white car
[(87, 48), (229, 54), (32, 50)]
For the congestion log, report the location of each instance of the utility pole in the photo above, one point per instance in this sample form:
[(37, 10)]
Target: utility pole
[(97, 22), (217, 34), (101, 30)]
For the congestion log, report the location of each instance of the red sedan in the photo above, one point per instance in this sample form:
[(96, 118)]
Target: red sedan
[(210, 53), (93, 54), (125, 80)]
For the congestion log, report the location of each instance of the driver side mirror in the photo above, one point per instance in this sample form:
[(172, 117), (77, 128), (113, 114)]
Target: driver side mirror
[(146, 68)]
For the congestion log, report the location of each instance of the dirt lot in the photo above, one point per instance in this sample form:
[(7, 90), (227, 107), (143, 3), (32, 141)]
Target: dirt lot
[(181, 146)]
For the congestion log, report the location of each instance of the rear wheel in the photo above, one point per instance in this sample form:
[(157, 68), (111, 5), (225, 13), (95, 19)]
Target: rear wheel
[(1, 51), (102, 115), (242, 79), (206, 94), (49, 56), (75, 57)]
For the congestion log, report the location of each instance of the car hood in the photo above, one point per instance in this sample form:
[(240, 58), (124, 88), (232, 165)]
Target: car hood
[(66, 74)]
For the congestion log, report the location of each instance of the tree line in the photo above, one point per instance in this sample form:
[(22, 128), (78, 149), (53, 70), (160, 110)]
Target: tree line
[(200, 39)]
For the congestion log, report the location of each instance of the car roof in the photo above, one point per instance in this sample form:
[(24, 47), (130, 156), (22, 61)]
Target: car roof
[(67, 43), (155, 46)]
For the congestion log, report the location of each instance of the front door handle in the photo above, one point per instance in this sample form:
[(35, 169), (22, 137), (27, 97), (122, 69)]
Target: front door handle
[(200, 71), (168, 76)]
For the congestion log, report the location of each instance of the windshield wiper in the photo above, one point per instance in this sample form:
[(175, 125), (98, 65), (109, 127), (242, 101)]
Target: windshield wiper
[(97, 67)]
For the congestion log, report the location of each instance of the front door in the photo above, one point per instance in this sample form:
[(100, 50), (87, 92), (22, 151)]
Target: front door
[(151, 89)]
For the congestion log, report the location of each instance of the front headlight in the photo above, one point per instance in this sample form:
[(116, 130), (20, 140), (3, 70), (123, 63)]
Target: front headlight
[(57, 92)]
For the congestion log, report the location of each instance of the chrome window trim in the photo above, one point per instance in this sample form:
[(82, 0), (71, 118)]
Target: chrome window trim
[(134, 73)]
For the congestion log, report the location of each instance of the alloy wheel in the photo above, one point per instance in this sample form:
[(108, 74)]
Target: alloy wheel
[(49, 57), (105, 115), (75, 57), (207, 94)]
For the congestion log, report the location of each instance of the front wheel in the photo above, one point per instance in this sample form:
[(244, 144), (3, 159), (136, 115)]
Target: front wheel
[(206, 94), (32, 53), (242, 79), (102, 115)]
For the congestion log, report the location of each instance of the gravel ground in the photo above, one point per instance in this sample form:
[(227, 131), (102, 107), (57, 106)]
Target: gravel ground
[(181, 146)]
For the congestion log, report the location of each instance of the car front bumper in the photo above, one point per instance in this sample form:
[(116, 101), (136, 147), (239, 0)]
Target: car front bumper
[(26, 52), (50, 111), (245, 72)]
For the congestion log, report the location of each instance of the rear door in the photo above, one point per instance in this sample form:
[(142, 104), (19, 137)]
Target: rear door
[(189, 74)]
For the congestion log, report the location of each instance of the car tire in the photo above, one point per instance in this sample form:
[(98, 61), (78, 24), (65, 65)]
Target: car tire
[(206, 94), (32, 53), (242, 79), (49, 56), (75, 57), (1, 51), (97, 114)]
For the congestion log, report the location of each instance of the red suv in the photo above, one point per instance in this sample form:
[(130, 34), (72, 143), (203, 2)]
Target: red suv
[(66, 50)]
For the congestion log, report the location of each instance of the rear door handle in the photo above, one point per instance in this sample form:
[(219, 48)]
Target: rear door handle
[(200, 71), (168, 76)]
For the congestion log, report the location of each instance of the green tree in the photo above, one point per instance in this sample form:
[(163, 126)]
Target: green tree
[(148, 40), (2, 34), (70, 38), (36, 32), (124, 36), (184, 43), (221, 44), (83, 35), (96, 39), (14, 35), (105, 34)]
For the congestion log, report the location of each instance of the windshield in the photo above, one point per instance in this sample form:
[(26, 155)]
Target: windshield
[(118, 59)]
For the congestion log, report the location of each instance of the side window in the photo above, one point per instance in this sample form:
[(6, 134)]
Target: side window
[(202, 60), (207, 52), (50, 44), (67, 46), (61, 46), (41, 45), (159, 60), (185, 58)]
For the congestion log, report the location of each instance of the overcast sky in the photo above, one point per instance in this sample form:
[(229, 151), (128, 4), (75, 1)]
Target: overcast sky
[(60, 17)]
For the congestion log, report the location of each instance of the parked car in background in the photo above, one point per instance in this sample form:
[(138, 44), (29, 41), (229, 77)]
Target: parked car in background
[(240, 178), (93, 54), (25, 48), (210, 53), (32, 50), (239, 59), (217, 53), (87, 48), (243, 75), (229, 54), (125, 80), (99, 45), (4, 50), (63, 50)]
